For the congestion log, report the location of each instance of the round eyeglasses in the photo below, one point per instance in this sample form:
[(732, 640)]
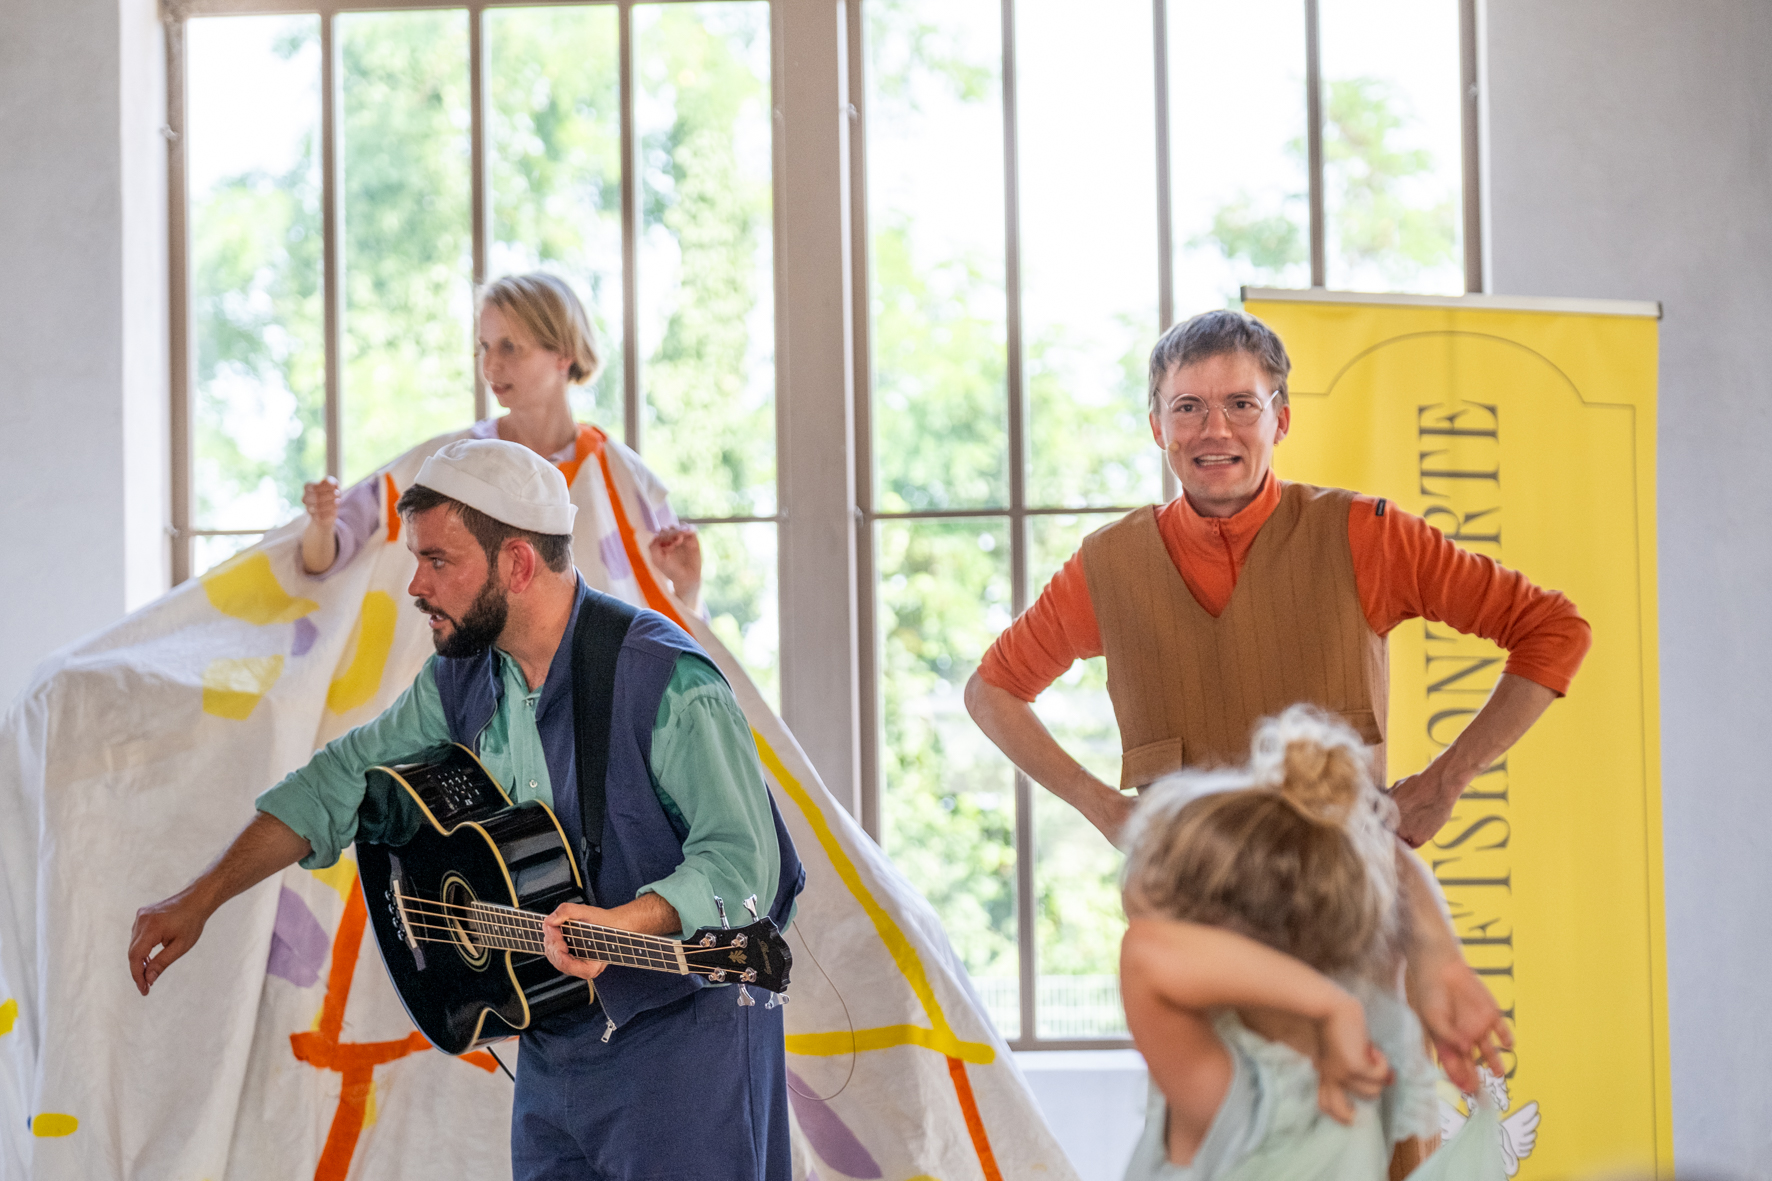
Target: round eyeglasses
[(1190, 413)]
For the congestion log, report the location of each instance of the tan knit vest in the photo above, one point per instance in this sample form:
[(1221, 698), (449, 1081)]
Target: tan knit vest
[(1188, 689)]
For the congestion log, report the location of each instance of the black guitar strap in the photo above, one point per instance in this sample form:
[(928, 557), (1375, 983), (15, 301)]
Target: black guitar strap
[(602, 625)]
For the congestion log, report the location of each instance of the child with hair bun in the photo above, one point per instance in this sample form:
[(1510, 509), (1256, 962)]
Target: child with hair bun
[(1262, 972)]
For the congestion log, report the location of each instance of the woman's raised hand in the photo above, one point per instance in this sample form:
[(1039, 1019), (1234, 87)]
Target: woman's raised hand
[(319, 542), (676, 551)]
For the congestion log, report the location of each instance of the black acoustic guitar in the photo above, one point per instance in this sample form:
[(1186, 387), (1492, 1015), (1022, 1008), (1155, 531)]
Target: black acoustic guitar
[(457, 905)]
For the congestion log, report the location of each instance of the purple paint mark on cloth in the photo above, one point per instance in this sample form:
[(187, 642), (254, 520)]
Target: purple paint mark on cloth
[(305, 635), (298, 942), (829, 1136), (615, 558), (650, 518)]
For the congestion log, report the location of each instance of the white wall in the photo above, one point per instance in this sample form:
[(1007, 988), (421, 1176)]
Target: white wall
[(1095, 1102), (1631, 157), (82, 230)]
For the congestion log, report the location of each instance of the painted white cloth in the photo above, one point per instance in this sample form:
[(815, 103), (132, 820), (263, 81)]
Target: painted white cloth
[(277, 1048)]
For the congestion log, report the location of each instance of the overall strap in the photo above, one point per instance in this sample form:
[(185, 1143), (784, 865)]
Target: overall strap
[(602, 626)]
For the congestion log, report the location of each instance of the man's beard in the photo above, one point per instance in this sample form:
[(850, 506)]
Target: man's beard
[(478, 628)]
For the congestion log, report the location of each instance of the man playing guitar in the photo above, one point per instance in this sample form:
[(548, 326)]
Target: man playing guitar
[(604, 1090)]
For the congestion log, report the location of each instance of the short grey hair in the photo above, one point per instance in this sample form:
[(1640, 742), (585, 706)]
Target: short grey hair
[(1214, 334)]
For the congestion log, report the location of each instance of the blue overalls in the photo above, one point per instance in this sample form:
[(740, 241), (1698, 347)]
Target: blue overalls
[(662, 1076)]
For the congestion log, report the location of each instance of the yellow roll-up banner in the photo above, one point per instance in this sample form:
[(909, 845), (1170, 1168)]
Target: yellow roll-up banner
[(1527, 436)]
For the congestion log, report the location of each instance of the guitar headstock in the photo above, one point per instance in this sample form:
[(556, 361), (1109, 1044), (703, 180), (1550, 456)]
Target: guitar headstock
[(756, 954)]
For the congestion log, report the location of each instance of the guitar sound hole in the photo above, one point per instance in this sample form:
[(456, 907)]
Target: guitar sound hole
[(458, 898)]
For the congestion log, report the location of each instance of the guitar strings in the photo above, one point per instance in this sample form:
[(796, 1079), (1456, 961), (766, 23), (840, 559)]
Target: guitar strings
[(702, 971), (648, 954), (497, 913), (457, 927), (453, 935)]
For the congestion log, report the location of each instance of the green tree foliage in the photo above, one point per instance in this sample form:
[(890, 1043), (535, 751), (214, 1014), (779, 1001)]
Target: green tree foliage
[(1380, 225), (256, 303), (554, 137), (940, 425), (709, 387), (554, 146), (408, 239)]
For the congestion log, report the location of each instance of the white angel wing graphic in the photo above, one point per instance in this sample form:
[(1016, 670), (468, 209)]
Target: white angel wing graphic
[(1519, 1133)]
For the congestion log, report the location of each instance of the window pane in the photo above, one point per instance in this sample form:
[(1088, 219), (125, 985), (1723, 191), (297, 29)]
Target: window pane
[(741, 589), (948, 806), (935, 215), (554, 153), (1240, 191), (210, 550), (1087, 121), (260, 366), (1392, 160), (408, 265), (707, 315), (1076, 871)]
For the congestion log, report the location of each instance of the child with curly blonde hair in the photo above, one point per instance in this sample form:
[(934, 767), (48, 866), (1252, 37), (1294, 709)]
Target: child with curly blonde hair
[(1262, 973)]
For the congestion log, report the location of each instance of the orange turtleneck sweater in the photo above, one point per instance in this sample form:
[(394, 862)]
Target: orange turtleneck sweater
[(1404, 569)]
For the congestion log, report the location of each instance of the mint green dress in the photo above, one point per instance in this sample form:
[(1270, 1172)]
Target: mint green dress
[(1269, 1126)]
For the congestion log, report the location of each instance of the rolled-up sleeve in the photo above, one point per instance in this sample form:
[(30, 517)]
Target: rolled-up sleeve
[(706, 771), (320, 801), (359, 514)]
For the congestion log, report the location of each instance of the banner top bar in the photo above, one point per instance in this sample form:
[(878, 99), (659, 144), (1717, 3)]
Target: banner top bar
[(1650, 309)]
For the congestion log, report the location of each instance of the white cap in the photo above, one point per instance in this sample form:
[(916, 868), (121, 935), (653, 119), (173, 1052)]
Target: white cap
[(506, 481)]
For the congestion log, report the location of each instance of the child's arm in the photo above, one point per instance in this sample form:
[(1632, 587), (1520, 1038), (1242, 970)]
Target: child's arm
[(1173, 973)]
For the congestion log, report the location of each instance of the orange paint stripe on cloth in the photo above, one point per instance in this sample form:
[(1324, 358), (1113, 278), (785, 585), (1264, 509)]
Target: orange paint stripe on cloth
[(987, 1160), (391, 498), (590, 440), (656, 600), (355, 1063), (649, 588)]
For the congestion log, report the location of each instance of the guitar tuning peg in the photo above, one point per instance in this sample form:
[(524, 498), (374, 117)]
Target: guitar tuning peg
[(720, 905), (750, 904), (776, 1000), (744, 997)]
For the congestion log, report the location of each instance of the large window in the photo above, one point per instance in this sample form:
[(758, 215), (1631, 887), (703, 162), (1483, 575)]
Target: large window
[(351, 175), (1049, 186), (1037, 189)]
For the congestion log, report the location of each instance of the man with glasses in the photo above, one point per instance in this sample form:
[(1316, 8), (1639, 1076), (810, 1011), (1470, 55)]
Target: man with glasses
[(1247, 594)]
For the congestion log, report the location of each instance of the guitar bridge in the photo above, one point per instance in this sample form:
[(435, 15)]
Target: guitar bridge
[(401, 916)]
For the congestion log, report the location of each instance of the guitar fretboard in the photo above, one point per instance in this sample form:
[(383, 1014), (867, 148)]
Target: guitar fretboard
[(508, 929)]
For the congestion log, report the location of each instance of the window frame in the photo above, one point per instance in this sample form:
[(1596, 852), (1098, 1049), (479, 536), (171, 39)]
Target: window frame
[(184, 530), (826, 519), (1018, 513)]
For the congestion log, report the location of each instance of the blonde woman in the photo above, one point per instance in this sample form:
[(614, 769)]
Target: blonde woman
[(1262, 972), (533, 341)]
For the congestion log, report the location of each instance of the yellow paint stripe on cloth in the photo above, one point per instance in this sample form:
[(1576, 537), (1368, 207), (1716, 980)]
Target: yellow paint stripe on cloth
[(941, 1038), (233, 686), (885, 1037), (358, 683), (247, 588)]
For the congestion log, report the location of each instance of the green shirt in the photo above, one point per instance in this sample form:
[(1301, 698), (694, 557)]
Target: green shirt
[(705, 773)]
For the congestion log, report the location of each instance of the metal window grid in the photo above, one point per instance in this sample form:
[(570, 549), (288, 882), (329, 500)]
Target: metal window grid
[(176, 13), (1018, 512), (861, 593)]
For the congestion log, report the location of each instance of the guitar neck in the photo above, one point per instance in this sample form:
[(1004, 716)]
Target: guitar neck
[(509, 929)]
